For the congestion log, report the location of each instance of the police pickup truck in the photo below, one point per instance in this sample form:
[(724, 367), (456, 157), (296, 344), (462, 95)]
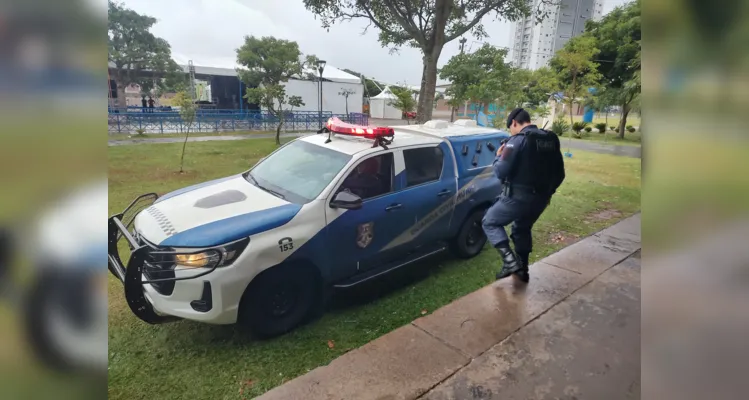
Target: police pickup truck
[(327, 210)]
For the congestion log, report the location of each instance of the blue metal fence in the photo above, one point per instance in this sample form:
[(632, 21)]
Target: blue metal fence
[(217, 120)]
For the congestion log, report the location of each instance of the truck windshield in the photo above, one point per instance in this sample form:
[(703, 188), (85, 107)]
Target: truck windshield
[(298, 172)]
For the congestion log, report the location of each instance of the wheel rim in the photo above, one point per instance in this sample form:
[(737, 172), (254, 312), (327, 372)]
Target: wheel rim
[(281, 301), (475, 235)]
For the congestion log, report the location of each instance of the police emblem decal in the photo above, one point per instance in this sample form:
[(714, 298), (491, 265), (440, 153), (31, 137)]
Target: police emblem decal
[(365, 234)]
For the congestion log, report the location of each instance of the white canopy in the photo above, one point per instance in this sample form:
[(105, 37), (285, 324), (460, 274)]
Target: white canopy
[(385, 94), (379, 106)]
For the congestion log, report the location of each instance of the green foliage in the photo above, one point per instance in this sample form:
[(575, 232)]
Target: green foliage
[(601, 127), (482, 77), (631, 129), (267, 63), (371, 88), (537, 85), (576, 69), (404, 99), (560, 126), (133, 49), (577, 126), (588, 129), (613, 128), (541, 111), (577, 135)]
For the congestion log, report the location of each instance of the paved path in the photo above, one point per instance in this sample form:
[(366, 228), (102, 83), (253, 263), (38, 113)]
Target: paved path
[(628, 151), (572, 333)]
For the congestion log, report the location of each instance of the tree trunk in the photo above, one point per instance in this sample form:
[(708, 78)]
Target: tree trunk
[(428, 83), (623, 120), (278, 130), (452, 113), (346, 106), (572, 120), (121, 101), (184, 144)]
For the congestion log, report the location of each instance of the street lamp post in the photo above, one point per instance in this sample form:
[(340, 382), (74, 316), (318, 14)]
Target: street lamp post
[(320, 69)]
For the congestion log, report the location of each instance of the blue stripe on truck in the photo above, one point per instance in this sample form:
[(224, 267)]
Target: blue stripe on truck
[(233, 228)]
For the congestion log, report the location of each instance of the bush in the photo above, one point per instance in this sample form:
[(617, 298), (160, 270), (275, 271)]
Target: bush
[(578, 126), (560, 126), (601, 127), (588, 129), (630, 128), (578, 135), (613, 128)]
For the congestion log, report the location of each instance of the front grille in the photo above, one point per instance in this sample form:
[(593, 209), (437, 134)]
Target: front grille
[(158, 266)]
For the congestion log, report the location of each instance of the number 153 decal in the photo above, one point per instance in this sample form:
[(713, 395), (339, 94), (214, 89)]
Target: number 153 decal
[(285, 244)]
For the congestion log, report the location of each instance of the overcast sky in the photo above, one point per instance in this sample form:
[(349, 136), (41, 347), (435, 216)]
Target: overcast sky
[(209, 31)]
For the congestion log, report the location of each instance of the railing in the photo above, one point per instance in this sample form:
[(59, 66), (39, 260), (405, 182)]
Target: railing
[(216, 120)]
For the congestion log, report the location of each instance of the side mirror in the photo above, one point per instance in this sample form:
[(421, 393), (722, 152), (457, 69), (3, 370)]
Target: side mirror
[(346, 201)]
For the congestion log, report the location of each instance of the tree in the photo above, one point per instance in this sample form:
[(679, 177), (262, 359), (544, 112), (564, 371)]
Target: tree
[(618, 36), (539, 85), (576, 69), (404, 100), (345, 92), (187, 111), (138, 56), (482, 77), (267, 64), (426, 25)]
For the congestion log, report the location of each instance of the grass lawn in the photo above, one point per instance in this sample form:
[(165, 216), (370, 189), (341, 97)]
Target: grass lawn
[(188, 360), (630, 138)]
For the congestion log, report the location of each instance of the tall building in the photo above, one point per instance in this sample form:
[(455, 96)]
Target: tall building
[(534, 44)]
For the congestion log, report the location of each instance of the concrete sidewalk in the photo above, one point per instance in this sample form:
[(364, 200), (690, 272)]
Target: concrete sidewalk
[(572, 333)]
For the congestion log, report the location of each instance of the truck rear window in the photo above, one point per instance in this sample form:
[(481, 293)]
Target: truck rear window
[(423, 165)]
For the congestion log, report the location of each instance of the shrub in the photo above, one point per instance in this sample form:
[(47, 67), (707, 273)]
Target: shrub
[(613, 128), (560, 126), (578, 126), (601, 127), (588, 129), (578, 135), (630, 128), (140, 132)]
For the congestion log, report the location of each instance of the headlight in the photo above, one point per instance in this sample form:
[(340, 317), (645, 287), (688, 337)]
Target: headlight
[(212, 258)]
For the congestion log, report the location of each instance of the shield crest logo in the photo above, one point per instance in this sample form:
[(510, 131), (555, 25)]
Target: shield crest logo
[(365, 234)]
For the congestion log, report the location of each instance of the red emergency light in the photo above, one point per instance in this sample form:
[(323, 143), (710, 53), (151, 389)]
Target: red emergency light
[(335, 125)]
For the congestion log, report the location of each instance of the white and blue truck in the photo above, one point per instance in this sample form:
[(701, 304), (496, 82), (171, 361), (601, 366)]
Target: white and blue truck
[(330, 210)]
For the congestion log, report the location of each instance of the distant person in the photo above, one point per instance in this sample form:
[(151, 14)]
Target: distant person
[(144, 103), (151, 104), (531, 168)]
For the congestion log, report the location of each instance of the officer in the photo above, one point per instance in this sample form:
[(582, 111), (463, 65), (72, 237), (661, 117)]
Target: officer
[(531, 168)]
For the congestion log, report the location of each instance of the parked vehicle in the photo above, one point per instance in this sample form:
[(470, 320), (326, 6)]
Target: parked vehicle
[(334, 209)]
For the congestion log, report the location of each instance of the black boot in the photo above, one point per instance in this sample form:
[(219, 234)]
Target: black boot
[(523, 274), (510, 263)]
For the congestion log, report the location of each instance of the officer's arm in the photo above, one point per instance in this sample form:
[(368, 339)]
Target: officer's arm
[(505, 162)]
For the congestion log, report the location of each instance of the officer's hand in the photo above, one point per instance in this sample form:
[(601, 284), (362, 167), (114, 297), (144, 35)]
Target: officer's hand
[(499, 152)]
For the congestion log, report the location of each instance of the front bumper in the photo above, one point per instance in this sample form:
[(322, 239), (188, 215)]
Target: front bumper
[(144, 278)]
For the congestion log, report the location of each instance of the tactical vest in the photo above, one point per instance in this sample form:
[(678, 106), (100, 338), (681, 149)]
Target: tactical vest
[(535, 164)]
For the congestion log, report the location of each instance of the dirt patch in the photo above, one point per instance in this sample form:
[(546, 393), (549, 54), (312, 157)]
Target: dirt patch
[(562, 237), (604, 215)]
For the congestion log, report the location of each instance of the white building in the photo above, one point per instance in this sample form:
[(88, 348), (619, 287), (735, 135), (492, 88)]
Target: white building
[(534, 44), (335, 81)]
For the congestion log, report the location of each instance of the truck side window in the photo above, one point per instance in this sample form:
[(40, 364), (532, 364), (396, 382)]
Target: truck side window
[(423, 165), (371, 178)]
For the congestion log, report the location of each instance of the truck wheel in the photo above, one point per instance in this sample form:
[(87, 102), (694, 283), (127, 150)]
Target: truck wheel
[(471, 238), (280, 299)]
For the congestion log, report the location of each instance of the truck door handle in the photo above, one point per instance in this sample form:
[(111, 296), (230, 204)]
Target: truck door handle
[(444, 193), (393, 207)]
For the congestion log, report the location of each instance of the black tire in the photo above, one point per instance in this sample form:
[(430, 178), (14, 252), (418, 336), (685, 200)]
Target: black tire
[(470, 239), (280, 299)]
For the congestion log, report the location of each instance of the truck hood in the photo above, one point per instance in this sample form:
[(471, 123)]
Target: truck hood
[(213, 213)]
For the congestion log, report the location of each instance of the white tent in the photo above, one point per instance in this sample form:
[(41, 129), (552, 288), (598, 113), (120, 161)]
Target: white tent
[(379, 106)]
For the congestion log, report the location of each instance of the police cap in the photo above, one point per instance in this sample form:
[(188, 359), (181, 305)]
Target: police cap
[(520, 115)]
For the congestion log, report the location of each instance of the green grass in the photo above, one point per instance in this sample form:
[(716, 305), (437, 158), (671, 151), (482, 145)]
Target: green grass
[(198, 361)]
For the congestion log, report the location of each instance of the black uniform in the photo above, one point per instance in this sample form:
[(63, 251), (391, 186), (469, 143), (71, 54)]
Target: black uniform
[(531, 169)]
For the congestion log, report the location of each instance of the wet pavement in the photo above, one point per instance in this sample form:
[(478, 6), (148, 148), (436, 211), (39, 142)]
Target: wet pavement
[(573, 333)]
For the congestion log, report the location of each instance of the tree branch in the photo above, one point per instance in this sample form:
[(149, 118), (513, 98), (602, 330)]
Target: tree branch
[(476, 19), (406, 22)]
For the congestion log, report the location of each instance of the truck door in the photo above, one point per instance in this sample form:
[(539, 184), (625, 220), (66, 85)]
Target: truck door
[(429, 186), (357, 238)]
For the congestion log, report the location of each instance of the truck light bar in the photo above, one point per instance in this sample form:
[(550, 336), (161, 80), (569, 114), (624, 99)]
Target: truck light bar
[(381, 135)]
